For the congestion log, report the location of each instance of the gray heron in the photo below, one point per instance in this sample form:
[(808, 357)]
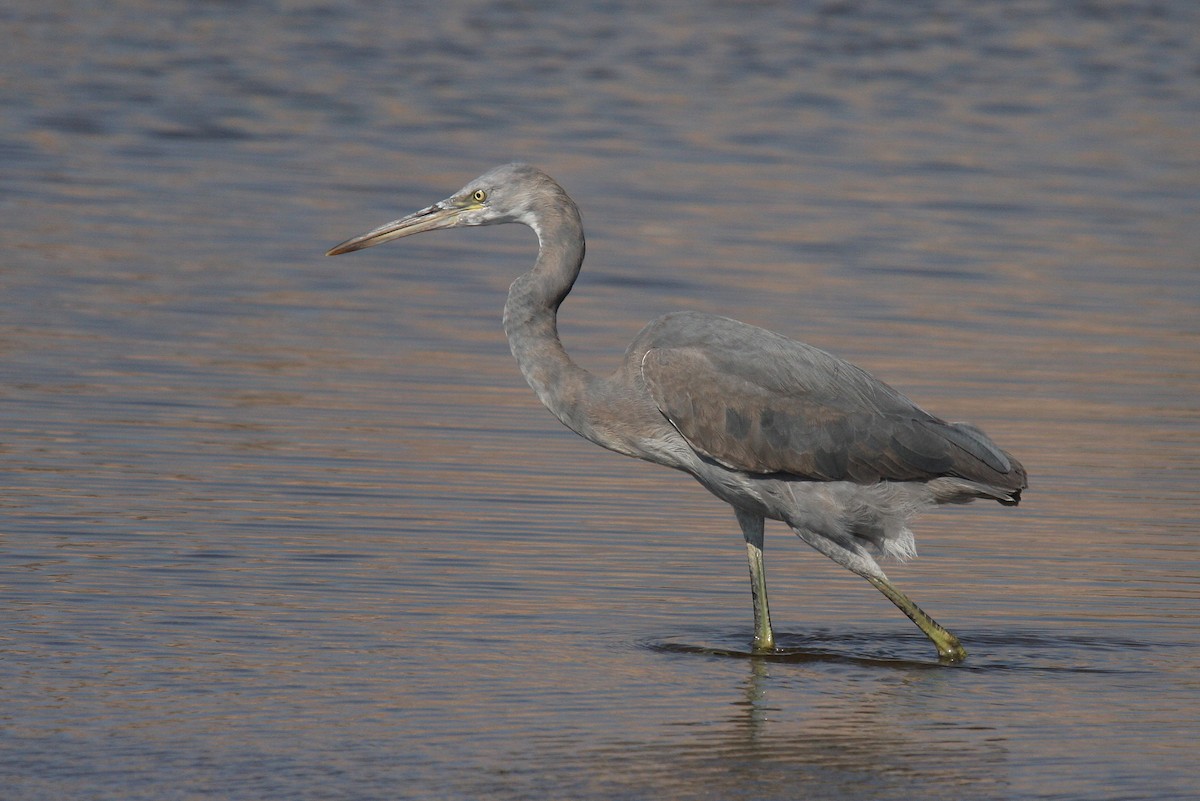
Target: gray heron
[(775, 428)]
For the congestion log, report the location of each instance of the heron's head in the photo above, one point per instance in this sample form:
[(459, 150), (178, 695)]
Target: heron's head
[(511, 193)]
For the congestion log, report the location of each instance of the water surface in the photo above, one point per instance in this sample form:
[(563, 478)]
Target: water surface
[(280, 526)]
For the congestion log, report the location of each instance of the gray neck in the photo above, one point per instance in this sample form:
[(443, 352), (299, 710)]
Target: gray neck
[(530, 318)]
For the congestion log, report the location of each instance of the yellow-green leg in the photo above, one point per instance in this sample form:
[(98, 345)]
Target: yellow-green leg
[(948, 647), (752, 531)]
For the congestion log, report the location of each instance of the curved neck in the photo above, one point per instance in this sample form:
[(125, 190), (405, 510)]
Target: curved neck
[(530, 316)]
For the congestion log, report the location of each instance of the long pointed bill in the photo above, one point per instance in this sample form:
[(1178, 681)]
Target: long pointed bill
[(428, 219)]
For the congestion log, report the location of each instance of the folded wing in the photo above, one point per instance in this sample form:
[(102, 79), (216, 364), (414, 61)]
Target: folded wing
[(773, 405)]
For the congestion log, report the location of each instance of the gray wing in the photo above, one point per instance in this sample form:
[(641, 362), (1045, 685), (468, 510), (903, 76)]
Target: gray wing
[(762, 403)]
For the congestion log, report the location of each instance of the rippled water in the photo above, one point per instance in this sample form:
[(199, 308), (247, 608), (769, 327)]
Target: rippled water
[(280, 526)]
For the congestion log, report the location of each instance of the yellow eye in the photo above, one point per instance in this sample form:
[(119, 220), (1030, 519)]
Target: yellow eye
[(479, 195)]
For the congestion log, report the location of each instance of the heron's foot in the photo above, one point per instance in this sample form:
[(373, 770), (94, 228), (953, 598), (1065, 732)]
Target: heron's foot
[(764, 643), (949, 649)]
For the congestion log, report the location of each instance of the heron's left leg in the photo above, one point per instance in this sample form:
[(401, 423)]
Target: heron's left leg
[(948, 646), (752, 531), (857, 560)]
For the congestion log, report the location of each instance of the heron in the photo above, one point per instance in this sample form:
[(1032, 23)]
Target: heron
[(776, 428)]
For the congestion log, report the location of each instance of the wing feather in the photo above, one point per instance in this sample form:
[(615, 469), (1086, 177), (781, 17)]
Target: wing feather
[(755, 401)]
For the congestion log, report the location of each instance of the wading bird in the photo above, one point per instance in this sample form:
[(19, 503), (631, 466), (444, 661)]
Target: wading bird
[(775, 428)]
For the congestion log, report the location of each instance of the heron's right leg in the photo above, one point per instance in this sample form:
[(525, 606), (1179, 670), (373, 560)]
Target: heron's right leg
[(752, 531), (948, 646)]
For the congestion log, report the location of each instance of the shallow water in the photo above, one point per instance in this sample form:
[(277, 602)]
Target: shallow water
[(280, 526)]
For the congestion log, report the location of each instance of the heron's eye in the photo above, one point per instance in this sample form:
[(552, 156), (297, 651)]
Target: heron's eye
[(479, 195)]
